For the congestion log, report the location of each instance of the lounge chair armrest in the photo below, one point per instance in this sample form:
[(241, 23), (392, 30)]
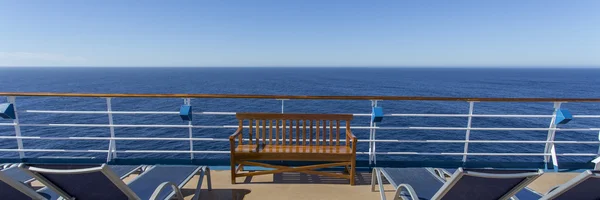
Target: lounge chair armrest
[(162, 186), (237, 132), (206, 171), (442, 173), (408, 188)]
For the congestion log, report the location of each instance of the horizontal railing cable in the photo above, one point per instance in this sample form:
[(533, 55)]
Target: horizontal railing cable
[(360, 140), (353, 127)]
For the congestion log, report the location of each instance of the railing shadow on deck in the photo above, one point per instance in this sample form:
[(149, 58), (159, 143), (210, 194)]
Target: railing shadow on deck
[(362, 178), (218, 194)]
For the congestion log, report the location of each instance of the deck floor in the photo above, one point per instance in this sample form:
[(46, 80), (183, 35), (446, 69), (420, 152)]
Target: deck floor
[(301, 186)]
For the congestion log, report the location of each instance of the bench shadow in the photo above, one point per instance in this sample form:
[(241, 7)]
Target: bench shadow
[(363, 178), (217, 194)]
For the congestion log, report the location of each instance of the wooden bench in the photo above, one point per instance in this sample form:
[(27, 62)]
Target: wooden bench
[(293, 137)]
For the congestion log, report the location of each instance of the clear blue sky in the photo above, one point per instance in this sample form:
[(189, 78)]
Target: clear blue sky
[(300, 33)]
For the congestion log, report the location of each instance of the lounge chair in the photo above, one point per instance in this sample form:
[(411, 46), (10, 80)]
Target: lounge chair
[(18, 174), (101, 182), (524, 194), (13, 182), (583, 186), (13, 189), (482, 184)]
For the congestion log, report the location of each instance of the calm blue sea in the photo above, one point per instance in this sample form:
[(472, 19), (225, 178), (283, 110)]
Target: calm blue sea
[(455, 82)]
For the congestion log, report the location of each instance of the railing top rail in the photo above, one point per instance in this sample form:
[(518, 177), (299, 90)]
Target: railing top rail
[(255, 96)]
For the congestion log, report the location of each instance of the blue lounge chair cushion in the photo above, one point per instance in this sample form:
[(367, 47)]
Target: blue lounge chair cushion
[(425, 183), (587, 189), (124, 170), (524, 194), (145, 184), (120, 170), (8, 192), (472, 187), (80, 185), (11, 188), (470, 184)]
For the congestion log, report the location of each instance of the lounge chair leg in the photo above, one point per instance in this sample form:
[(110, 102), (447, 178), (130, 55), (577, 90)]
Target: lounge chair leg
[(208, 180), (381, 190), (203, 171), (373, 174), (397, 194)]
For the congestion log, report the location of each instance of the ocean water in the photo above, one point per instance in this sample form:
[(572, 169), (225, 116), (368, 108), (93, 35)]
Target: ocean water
[(451, 82)]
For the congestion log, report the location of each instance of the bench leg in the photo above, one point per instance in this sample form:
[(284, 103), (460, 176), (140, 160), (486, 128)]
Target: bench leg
[(352, 170), (232, 170)]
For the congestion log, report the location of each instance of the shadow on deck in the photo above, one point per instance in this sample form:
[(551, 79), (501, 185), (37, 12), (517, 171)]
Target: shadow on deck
[(292, 185), (288, 185), (301, 178)]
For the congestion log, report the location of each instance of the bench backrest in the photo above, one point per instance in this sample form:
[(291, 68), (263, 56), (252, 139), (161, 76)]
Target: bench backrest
[(294, 129)]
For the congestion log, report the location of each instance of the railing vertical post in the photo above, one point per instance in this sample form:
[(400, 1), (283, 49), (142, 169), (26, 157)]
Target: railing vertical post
[(112, 146), (282, 104), (188, 101), (372, 131), (13, 100), (550, 149), (596, 161), (371, 137), (468, 132)]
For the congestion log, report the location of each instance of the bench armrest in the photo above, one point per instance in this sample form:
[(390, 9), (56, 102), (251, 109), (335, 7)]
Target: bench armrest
[(353, 140), (232, 137), (349, 134)]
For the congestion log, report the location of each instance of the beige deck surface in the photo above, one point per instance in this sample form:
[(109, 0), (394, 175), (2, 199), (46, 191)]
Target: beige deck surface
[(302, 186), (286, 186)]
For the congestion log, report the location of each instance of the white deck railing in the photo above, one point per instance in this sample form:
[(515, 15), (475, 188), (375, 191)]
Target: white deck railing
[(549, 153)]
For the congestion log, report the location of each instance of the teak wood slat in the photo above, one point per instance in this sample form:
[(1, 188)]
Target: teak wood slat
[(270, 131), (317, 133), (250, 132), (324, 132), (276, 132), (291, 132), (294, 146), (310, 134), (303, 132), (297, 132), (337, 128), (283, 125), (264, 132)]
